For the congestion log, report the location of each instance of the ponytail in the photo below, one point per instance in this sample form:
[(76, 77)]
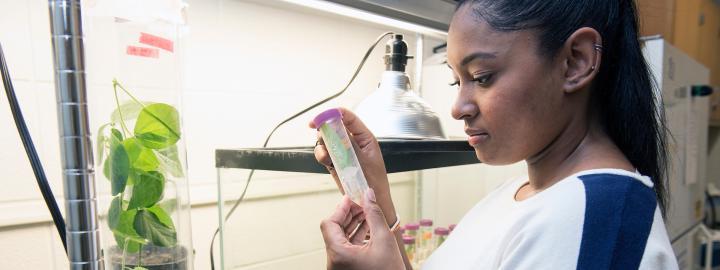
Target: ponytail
[(629, 104)]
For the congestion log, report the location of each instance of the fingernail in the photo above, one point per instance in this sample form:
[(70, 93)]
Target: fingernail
[(370, 195)]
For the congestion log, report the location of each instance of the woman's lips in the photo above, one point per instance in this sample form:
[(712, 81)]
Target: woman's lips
[(477, 139)]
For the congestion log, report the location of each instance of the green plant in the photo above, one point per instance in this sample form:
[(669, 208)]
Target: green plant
[(140, 163)]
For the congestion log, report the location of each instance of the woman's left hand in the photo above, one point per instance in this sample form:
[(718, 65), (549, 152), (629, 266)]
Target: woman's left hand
[(346, 251)]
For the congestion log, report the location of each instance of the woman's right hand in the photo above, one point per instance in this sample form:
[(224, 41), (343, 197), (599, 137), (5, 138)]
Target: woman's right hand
[(371, 160), (348, 251)]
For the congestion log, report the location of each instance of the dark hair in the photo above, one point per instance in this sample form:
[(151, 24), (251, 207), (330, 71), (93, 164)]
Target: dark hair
[(623, 91)]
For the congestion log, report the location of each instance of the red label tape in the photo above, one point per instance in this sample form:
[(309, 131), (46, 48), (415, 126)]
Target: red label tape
[(142, 51), (156, 41)]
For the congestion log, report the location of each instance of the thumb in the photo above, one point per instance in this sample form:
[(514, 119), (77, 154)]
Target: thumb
[(360, 133), (373, 214)]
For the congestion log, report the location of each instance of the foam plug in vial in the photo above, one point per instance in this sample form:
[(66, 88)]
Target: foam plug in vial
[(342, 154)]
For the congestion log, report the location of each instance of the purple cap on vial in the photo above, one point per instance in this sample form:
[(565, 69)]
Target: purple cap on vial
[(426, 222), (407, 239), (323, 117), (412, 226), (452, 227), (442, 231)]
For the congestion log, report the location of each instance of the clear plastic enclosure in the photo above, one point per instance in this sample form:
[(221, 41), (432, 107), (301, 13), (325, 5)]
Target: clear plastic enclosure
[(134, 64)]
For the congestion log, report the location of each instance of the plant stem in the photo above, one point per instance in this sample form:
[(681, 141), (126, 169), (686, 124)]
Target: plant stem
[(140, 255), (117, 103), (116, 83), (122, 259)]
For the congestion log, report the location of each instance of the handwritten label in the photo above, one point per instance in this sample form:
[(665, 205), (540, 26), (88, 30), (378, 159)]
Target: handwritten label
[(156, 41), (142, 51)]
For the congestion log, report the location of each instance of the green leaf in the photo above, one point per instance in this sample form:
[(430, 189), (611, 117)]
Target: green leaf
[(141, 158), (133, 175), (148, 190), (106, 169), (158, 126), (114, 140), (100, 149), (170, 161), (149, 226), (139, 268), (117, 135), (125, 232), (114, 212), (119, 168), (130, 110), (101, 144), (162, 216)]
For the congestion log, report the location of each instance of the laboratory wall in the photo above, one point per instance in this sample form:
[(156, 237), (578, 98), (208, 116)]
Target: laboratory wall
[(690, 25), (697, 33), (247, 66)]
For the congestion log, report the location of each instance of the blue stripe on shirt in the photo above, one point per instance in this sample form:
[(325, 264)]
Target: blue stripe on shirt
[(619, 213)]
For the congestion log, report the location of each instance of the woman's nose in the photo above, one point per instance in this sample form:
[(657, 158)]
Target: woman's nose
[(464, 107)]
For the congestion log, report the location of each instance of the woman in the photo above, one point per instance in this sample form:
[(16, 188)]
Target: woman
[(561, 84)]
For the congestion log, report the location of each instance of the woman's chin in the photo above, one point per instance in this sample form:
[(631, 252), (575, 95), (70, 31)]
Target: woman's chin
[(492, 159), (483, 157)]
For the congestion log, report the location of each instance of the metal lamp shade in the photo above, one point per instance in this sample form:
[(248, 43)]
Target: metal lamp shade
[(393, 111)]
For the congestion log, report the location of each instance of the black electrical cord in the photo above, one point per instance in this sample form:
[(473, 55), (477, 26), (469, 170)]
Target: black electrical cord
[(31, 152), (267, 139)]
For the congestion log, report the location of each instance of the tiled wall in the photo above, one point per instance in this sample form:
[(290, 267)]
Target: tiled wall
[(247, 65)]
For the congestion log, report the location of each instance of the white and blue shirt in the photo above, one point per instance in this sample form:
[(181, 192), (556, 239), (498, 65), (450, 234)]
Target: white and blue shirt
[(595, 219)]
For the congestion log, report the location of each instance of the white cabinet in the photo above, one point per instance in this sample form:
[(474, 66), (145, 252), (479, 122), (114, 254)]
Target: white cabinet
[(687, 123)]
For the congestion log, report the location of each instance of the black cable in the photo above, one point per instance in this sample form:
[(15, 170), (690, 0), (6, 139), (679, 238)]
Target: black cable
[(267, 139), (31, 152)]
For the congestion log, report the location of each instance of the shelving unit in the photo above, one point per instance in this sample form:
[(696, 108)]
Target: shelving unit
[(399, 156)]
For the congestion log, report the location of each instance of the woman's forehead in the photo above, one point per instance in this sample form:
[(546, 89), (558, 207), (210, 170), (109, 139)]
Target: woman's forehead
[(469, 34)]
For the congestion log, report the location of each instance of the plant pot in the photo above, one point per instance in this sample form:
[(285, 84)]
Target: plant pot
[(152, 258)]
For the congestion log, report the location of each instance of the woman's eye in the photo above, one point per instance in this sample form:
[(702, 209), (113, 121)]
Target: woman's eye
[(483, 80)]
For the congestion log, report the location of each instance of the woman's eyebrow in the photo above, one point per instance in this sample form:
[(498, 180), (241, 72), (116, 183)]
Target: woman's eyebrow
[(481, 55)]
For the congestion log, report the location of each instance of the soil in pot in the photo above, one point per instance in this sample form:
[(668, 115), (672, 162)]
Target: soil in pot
[(152, 258)]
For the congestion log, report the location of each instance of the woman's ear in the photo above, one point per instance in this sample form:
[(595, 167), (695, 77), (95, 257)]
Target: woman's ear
[(583, 51)]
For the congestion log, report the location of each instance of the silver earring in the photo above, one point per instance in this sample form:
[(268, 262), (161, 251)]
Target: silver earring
[(598, 48)]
